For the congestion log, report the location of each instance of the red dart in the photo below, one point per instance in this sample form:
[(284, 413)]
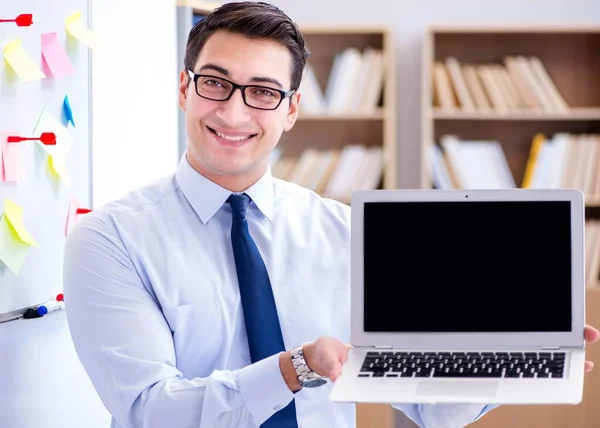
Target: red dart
[(47, 138), (23, 20), (83, 210)]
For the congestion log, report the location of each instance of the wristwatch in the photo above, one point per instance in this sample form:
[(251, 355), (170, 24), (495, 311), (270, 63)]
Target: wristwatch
[(306, 377)]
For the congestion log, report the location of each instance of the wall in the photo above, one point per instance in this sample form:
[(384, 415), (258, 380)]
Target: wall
[(409, 20), (134, 96)]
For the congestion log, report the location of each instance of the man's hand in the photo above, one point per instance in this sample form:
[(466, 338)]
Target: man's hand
[(591, 335), (325, 357)]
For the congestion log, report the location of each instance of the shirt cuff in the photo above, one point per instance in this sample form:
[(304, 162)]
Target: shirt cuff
[(263, 388)]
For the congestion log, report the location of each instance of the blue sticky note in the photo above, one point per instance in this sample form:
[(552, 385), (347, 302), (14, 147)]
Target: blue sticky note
[(67, 112)]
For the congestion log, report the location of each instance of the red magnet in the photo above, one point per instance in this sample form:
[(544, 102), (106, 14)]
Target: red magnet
[(47, 138), (23, 20)]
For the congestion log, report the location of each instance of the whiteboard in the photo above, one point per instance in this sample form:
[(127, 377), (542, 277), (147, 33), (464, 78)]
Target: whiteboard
[(42, 382), (43, 199)]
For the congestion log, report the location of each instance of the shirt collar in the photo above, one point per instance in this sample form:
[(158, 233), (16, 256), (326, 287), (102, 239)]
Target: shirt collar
[(207, 197)]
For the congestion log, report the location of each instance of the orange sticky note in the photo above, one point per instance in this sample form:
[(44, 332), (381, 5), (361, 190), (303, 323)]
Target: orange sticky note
[(12, 166), (55, 61)]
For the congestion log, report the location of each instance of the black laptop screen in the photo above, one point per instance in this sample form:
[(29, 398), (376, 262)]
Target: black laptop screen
[(467, 267)]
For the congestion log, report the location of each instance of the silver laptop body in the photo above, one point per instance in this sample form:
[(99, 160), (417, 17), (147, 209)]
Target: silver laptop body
[(466, 296)]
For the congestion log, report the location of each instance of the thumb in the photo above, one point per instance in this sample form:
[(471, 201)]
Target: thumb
[(336, 371)]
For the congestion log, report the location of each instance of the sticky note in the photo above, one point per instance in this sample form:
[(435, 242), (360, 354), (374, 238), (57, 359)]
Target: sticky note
[(12, 250), (54, 58), (21, 63), (67, 112), (47, 123), (57, 166), (78, 30), (12, 166), (71, 215), (14, 215)]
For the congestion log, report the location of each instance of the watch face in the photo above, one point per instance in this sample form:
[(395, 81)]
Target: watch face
[(314, 382)]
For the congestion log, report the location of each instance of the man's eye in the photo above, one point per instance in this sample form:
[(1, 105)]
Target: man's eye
[(264, 93)]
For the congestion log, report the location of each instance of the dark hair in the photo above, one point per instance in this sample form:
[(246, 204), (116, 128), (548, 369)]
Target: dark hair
[(254, 20)]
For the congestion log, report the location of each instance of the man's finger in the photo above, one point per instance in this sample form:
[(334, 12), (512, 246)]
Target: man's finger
[(335, 372), (591, 334), (589, 365)]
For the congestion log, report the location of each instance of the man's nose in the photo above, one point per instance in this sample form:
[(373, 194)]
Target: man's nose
[(234, 110)]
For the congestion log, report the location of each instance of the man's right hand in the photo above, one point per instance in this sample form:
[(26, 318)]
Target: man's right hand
[(325, 356)]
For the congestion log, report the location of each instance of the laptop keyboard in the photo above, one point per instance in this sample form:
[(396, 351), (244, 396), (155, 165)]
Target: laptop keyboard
[(464, 364)]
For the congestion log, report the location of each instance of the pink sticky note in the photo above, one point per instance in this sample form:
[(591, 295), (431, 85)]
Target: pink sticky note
[(12, 166), (55, 62), (71, 215)]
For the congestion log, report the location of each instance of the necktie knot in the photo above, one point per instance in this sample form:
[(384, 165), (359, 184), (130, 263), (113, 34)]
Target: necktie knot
[(239, 204)]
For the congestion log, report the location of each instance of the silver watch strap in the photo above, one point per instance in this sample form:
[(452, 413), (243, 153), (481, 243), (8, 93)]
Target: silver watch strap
[(302, 369)]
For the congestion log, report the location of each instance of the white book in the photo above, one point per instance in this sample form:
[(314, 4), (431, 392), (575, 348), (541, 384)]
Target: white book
[(374, 83), (340, 184), (313, 100), (373, 172), (344, 80), (439, 173)]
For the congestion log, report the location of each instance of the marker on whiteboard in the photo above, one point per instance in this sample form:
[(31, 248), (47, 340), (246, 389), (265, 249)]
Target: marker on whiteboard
[(50, 308)]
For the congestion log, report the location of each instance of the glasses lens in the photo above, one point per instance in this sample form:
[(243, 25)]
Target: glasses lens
[(213, 88), (262, 97)]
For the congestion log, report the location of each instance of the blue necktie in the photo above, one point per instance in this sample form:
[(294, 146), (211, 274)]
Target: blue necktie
[(260, 313)]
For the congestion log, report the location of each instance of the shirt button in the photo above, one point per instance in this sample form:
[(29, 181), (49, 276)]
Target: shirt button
[(248, 359), (276, 408)]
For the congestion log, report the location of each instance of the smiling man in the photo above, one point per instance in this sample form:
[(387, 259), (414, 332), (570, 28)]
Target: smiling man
[(220, 296)]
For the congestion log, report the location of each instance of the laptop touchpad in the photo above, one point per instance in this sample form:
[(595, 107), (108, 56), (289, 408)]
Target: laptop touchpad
[(455, 388)]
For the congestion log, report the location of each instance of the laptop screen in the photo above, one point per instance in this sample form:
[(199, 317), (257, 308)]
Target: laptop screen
[(467, 266)]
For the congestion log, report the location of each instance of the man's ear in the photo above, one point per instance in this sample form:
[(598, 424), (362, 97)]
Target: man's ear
[(293, 111), (184, 84)]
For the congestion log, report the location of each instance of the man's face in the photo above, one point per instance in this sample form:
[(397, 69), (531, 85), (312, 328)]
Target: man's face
[(228, 141)]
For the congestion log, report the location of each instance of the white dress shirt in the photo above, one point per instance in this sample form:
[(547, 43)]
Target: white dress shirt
[(155, 314)]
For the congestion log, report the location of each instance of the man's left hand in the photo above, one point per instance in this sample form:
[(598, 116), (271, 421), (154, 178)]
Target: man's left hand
[(591, 335)]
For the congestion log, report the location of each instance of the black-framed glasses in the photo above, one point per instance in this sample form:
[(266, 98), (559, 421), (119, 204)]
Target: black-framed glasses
[(256, 96)]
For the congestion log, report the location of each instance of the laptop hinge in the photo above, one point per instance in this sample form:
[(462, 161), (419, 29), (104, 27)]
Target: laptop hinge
[(550, 347), (383, 346)]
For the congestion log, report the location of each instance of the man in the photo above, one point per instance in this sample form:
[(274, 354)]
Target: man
[(190, 299)]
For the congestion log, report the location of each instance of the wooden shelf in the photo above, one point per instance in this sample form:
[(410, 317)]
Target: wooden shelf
[(336, 130), (199, 6), (571, 56), (375, 115), (534, 29), (574, 114)]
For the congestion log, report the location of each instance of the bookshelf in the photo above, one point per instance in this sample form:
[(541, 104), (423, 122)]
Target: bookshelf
[(348, 99), (525, 110)]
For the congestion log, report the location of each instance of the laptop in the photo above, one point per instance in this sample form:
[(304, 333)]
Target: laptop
[(466, 296)]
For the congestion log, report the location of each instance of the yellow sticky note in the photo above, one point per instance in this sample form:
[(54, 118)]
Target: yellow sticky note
[(12, 250), (57, 165), (14, 215), (76, 28), (21, 63)]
